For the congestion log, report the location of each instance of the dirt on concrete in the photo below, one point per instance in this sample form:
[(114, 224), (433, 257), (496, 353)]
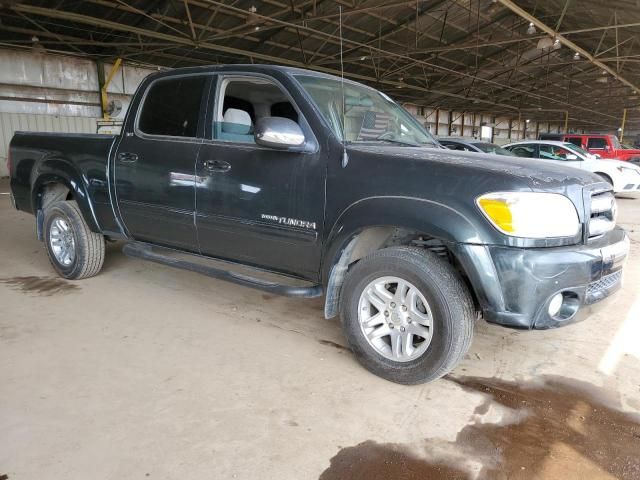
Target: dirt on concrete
[(46, 286), (386, 461), (563, 430)]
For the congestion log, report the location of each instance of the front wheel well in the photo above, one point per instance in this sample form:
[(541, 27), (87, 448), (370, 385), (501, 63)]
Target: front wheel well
[(605, 177), (376, 238)]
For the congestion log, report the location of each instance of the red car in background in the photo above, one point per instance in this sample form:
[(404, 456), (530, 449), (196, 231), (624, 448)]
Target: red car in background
[(606, 146)]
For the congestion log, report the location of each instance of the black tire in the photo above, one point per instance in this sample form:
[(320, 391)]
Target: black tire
[(606, 178), (448, 297), (89, 246)]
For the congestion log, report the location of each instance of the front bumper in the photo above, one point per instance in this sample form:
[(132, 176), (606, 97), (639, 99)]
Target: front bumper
[(629, 188), (514, 286)]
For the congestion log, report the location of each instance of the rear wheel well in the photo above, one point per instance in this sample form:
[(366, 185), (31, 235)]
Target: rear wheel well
[(378, 238), (52, 192), (48, 194)]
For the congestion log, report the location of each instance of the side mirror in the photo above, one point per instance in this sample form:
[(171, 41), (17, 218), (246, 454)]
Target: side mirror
[(607, 148), (571, 156), (278, 132)]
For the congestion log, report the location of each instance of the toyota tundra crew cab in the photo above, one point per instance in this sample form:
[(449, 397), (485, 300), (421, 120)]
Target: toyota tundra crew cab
[(299, 183)]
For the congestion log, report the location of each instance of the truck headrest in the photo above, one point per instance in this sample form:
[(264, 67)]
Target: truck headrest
[(236, 121)]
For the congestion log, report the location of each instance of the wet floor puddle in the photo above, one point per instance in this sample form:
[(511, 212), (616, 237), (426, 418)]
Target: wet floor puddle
[(45, 286), (564, 431)]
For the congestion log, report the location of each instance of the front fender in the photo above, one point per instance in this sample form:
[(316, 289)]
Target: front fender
[(427, 217), (60, 170)]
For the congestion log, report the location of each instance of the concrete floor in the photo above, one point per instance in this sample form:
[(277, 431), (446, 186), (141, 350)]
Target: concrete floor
[(149, 372)]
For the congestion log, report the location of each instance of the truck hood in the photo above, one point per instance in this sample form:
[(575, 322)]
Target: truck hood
[(526, 172)]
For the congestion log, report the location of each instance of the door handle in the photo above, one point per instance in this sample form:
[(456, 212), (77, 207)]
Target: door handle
[(217, 166), (127, 157)]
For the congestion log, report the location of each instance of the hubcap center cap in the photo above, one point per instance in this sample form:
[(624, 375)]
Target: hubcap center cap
[(396, 316)]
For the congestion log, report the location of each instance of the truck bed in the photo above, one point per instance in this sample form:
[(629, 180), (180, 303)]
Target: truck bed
[(79, 160)]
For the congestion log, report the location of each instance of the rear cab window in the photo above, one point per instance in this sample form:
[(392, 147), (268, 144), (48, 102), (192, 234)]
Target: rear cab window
[(596, 143), (577, 141)]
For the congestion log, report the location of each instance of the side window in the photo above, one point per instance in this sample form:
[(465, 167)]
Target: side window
[(244, 101), (597, 143), (577, 141), (172, 107), (456, 146), (552, 152), (526, 151)]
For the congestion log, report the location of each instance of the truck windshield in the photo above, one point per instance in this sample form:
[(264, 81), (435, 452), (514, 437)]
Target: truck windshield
[(369, 115)]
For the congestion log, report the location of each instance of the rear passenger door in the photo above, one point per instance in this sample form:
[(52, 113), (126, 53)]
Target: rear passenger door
[(155, 160), (258, 205)]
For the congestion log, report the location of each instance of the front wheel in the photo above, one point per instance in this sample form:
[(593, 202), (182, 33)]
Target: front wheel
[(74, 250), (407, 315)]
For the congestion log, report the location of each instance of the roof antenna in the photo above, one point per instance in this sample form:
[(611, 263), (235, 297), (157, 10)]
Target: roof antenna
[(345, 156)]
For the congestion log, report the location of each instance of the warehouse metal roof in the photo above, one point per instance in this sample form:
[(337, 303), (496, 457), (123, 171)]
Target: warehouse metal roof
[(534, 58)]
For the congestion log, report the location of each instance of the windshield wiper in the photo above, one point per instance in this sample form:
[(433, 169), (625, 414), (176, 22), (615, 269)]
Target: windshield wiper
[(398, 142)]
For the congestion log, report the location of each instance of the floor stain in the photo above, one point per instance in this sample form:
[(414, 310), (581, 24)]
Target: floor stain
[(561, 429), (45, 286), (386, 461), (333, 344), (567, 432)]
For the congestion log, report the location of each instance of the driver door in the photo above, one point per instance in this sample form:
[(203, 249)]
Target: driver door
[(258, 205)]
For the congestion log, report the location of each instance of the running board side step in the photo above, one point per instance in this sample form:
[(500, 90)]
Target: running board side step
[(200, 264)]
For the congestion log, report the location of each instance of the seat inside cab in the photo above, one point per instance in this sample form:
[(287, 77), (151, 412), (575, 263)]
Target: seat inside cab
[(246, 100)]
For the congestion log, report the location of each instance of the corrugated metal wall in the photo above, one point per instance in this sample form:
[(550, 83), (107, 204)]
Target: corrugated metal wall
[(11, 122)]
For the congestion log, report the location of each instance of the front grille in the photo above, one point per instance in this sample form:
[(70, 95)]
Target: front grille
[(601, 288), (603, 211)]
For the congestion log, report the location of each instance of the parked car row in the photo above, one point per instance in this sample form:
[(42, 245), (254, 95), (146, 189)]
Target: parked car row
[(605, 146), (624, 176)]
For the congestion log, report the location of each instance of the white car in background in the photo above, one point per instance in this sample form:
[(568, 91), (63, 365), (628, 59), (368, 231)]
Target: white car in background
[(624, 176)]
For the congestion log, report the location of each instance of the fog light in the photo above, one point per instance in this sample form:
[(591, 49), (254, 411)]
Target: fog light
[(555, 304)]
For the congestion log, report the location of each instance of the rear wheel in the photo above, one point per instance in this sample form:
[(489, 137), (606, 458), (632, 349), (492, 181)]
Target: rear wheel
[(407, 315), (73, 249)]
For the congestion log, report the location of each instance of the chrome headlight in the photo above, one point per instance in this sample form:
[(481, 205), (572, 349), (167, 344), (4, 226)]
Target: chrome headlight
[(530, 214)]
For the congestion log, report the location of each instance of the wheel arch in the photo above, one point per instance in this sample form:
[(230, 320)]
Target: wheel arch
[(54, 174), (606, 176), (373, 224)]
